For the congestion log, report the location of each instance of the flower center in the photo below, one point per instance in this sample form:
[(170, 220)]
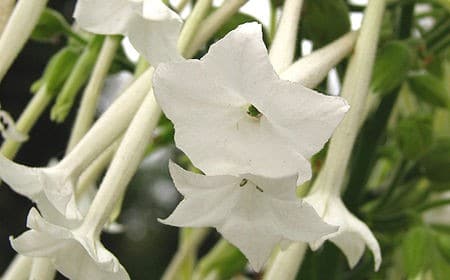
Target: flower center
[(245, 181), (253, 112)]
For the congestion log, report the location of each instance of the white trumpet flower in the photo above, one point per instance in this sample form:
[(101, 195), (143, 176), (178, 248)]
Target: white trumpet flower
[(252, 212)]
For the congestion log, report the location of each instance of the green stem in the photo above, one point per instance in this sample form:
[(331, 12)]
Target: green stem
[(193, 241), (27, 119), (86, 111), (76, 80)]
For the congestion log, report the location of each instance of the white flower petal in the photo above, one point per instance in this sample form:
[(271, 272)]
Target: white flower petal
[(353, 235), (157, 10), (207, 101), (105, 16), (75, 256), (8, 128), (151, 26), (247, 211), (47, 185)]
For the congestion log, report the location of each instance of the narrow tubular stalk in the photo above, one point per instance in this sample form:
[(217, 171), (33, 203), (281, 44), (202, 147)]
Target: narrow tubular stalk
[(19, 269), (287, 263), (282, 50), (42, 269), (199, 12), (312, 69), (181, 5), (354, 90), (192, 243), (211, 24), (6, 8), (123, 166), (26, 121), (19, 27), (110, 125), (93, 172), (86, 111)]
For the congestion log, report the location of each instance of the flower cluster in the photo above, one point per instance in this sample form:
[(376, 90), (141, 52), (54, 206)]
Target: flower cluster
[(252, 134)]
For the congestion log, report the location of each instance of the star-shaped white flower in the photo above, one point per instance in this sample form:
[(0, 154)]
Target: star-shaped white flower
[(51, 188), (74, 253), (150, 25), (252, 212), (234, 115), (353, 235)]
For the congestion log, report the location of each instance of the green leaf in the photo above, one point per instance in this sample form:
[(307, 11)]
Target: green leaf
[(51, 25), (324, 21), (414, 135), (440, 266), (415, 250), (429, 88), (391, 67), (435, 164)]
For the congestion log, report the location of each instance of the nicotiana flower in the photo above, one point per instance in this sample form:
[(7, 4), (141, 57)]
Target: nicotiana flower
[(51, 188), (252, 212), (75, 252), (439, 215), (8, 128), (234, 115), (150, 25), (353, 235)]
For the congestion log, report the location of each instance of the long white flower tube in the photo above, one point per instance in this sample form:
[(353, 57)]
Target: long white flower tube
[(19, 27), (82, 239), (54, 186), (282, 50), (353, 234), (6, 8), (313, 68)]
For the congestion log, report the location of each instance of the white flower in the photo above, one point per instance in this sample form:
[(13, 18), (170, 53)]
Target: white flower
[(51, 188), (150, 25), (8, 128), (353, 235), (234, 115), (74, 253), (254, 213)]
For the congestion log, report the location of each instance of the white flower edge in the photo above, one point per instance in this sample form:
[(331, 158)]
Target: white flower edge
[(75, 255), (252, 212), (50, 188), (8, 128), (353, 235), (214, 94), (152, 27)]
